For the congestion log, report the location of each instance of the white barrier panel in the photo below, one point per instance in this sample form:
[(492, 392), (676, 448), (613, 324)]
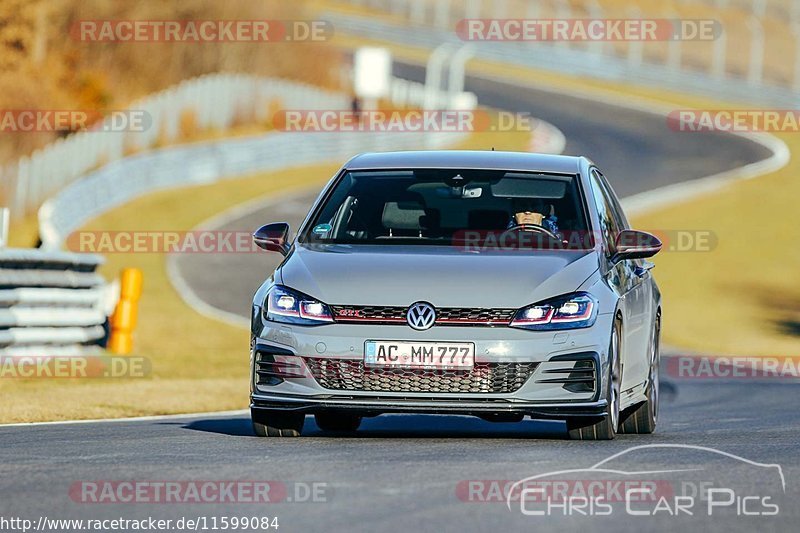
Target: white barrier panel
[(51, 303)]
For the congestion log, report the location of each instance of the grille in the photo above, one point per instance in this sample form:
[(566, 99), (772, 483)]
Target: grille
[(459, 314), (363, 313), (352, 375), (446, 315)]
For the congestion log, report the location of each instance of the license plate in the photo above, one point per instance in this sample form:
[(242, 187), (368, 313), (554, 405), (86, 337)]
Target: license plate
[(429, 355)]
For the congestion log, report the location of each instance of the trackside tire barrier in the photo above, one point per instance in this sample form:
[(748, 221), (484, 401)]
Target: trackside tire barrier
[(51, 303)]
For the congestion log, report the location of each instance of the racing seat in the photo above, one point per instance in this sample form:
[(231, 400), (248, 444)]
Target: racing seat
[(402, 219)]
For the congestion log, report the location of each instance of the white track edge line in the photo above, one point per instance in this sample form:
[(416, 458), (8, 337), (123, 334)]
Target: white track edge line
[(129, 419), (668, 194), (185, 291)]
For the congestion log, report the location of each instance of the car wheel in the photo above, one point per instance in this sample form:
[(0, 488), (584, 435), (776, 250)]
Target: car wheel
[(606, 428), (643, 419), (276, 423), (333, 421)]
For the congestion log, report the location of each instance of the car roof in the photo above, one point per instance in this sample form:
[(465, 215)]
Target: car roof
[(467, 159)]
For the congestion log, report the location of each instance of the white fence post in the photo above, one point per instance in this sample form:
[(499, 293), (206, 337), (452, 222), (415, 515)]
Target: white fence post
[(796, 81), (596, 13), (417, 14), (455, 84), (755, 71), (433, 75), (500, 9), (21, 192), (719, 57), (534, 10), (4, 219), (564, 12), (396, 7), (472, 10), (635, 48), (34, 177), (441, 17), (674, 50)]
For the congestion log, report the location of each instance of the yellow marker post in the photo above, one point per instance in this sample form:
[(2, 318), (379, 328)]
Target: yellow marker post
[(123, 321)]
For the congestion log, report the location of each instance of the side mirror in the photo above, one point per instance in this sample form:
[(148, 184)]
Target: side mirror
[(632, 244), (273, 237)]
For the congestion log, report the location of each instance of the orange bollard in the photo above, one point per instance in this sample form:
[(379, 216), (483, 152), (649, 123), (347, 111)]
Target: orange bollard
[(123, 321)]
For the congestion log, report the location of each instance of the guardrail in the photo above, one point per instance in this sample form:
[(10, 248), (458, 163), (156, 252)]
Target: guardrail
[(206, 162), (215, 100), (125, 178), (701, 67), (200, 163), (51, 303), (89, 172)]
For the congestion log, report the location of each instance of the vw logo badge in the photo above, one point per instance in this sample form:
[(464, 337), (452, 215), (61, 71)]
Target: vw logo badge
[(421, 315)]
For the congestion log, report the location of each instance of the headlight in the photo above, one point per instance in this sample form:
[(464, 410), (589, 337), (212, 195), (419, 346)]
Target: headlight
[(570, 311), (292, 307)]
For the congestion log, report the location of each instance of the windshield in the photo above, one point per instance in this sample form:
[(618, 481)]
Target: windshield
[(482, 208)]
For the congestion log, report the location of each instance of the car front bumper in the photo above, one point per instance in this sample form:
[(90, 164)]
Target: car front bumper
[(376, 405), (545, 393)]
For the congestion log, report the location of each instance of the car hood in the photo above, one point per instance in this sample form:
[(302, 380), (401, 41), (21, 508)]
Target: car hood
[(444, 276)]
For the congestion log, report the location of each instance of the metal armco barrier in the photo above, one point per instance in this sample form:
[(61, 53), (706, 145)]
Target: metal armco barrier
[(428, 33), (126, 178), (218, 100), (51, 303), (200, 163), (92, 193)]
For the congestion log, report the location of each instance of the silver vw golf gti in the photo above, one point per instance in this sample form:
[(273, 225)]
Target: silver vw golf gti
[(493, 284)]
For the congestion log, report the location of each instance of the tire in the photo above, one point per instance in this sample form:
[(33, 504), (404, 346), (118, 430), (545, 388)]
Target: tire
[(605, 428), (337, 421), (643, 419), (277, 423)]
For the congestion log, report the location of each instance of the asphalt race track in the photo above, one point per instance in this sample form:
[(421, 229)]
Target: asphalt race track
[(402, 472), (407, 473)]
